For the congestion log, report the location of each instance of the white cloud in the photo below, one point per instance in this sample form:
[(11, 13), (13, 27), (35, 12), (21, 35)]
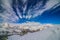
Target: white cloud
[(10, 16), (49, 5), (24, 1), (33, 12)]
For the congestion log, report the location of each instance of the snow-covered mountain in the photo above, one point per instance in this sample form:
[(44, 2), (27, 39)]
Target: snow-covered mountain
[(24, 27), (48, 34)]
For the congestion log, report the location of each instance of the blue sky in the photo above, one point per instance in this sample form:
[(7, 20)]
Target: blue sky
[(50, 16), (20, 11)]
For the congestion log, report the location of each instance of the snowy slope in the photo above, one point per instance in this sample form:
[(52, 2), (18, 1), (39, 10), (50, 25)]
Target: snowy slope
[(48, 34)]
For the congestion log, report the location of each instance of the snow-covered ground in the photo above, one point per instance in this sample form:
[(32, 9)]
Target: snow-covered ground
[(24, 27), (47, 34)]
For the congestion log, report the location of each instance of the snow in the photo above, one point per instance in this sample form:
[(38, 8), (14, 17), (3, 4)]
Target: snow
[(48, 34)]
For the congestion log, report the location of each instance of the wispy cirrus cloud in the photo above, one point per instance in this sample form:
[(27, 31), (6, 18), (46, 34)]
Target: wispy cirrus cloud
[(9, 15), (50, 4)]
